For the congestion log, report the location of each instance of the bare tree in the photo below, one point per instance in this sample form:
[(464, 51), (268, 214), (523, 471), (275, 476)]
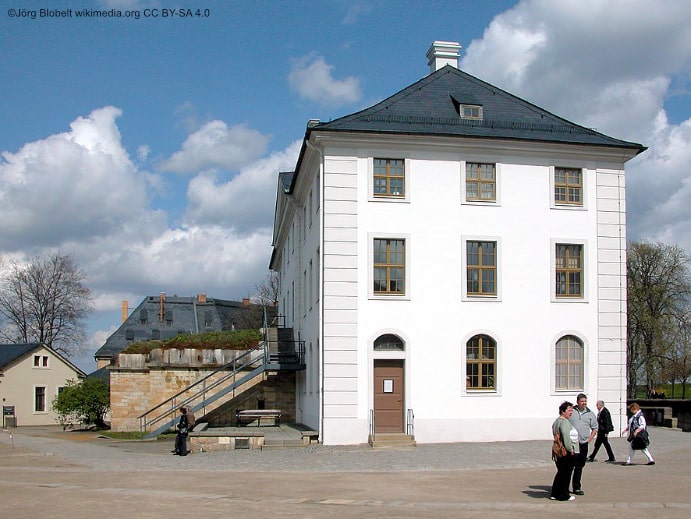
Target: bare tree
[(266, 292), (46, 301), (658, 294)]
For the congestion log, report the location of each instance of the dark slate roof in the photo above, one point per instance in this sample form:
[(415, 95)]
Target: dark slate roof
[(100, 374), (430, 107), (187, 315), (10, 353)]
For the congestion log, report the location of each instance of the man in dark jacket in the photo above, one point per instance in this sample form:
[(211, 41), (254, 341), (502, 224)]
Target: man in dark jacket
[(605, 426), (181, 437)]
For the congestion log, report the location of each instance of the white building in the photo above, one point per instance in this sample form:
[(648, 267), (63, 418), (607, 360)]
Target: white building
[(454, 259), (31, 376)]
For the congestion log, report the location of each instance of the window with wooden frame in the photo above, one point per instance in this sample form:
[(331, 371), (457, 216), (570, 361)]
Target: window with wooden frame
[(389, 266), (388, 178), (569, 271), (481, 268), (481, 363), (568, 364), (568, 186), (480, 182)]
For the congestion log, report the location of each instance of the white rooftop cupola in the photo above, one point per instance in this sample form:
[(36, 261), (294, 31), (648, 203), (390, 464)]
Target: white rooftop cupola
[(443, 53)]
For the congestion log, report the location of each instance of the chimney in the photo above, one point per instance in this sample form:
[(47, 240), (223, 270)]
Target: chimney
[(123, 311), (201, 298), (161, 306), (443, 53), (246, 301)]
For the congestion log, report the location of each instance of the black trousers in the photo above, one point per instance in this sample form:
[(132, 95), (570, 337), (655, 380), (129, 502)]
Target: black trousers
[(560, 485), (578, 466), (602, 440), (181, 444)]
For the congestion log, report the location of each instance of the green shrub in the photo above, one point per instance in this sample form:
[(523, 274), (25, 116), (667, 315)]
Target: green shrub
[(85, 402), (230, 340)]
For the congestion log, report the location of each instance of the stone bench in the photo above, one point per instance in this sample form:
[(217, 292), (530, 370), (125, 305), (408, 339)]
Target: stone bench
[(247, 416), (225, 440)]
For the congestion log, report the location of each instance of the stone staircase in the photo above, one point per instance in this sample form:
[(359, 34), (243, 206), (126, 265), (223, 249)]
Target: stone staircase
[(392, 441)]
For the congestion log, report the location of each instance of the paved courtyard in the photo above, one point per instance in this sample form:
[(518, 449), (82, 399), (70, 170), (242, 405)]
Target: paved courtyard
[(45, 472)]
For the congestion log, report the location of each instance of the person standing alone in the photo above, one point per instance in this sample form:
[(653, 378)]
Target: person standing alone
[(604, 427), (585, 422), (181, 436)]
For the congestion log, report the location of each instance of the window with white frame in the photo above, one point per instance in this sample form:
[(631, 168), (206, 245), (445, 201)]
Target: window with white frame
[(481, 363), (470, 111), (568, 364), (388, 266), (39, 399), (41, 361)]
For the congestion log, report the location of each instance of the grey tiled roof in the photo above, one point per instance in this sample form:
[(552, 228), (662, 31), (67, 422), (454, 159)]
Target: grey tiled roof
[(12, 352), (430, 107), (181, 315)]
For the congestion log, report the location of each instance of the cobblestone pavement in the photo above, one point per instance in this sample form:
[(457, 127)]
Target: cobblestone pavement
[(45, 472)]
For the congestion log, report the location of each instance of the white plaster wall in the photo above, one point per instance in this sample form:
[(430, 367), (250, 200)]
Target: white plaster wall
[(526, 321), (436, 320)]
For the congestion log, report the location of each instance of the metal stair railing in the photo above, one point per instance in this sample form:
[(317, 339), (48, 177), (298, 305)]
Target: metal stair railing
[(252, 361)]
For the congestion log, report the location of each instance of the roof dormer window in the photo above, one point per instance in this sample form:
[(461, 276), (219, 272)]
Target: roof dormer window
[(471, 112)]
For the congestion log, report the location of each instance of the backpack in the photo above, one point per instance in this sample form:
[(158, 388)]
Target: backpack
[(190, 420)]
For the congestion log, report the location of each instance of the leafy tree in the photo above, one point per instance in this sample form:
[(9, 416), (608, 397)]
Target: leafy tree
[(659, 288), (84, 402), (45, 301)]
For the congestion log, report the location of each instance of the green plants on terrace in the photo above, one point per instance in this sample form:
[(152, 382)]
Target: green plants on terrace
[(229, 340)]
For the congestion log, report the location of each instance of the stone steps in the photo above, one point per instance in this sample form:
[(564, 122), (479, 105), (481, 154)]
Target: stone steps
[(392, 440)]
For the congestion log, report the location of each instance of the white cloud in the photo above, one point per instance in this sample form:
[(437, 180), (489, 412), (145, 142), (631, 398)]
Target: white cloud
[(312, 78), (78, 192), (244, 203), (215, 145), (605, 65), (69, 185), (354, 9)]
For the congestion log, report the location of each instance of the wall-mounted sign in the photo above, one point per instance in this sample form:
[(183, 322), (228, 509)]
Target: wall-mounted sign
[(8, 410)]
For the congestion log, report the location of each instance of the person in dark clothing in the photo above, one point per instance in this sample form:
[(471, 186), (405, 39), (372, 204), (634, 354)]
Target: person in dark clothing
[(181, 436), (604, 427)]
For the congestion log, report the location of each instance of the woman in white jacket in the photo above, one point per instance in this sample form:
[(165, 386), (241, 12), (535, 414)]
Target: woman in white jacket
[(637, 426)]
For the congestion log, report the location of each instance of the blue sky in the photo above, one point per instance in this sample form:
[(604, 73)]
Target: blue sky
[(149, 148)]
